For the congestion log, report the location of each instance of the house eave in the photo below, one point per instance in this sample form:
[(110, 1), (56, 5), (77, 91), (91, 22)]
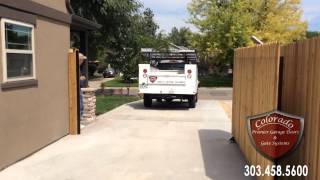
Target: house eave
[(35, 8), (78, 22)]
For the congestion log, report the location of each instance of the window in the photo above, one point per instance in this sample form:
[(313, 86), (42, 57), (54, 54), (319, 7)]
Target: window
[(18, 59), (169, 64)]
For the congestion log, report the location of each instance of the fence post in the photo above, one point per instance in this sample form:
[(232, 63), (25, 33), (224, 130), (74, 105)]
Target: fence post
[(73, 106)]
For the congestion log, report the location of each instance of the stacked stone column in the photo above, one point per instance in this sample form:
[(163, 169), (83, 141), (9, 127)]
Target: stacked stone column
[(89, 105)]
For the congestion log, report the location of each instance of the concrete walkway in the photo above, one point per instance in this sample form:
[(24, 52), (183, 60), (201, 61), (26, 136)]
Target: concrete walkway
[(168, 142), (96, 83)]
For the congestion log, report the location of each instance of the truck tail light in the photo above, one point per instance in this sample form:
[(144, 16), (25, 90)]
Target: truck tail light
[(145, 73), (189, 73)]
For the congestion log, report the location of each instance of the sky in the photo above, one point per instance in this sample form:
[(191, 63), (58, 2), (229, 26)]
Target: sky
[(170, 13)]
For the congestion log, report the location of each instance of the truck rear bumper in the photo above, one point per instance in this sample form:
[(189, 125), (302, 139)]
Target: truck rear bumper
[(173, 90), (169, 96)]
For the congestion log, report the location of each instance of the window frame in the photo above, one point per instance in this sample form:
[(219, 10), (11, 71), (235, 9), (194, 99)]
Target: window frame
[(5, 51)]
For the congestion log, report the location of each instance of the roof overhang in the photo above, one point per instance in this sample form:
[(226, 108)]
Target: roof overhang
[(80, 23), (10, 8), (34, 8)]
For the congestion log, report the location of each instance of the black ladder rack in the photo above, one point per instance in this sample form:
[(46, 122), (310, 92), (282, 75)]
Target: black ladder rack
[(159, 56)]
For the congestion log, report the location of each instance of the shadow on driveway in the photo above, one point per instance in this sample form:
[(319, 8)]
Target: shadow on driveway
[(222, 159), (174, 105)]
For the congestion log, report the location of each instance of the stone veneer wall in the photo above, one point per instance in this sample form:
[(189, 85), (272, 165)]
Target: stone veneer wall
[(89, 105)]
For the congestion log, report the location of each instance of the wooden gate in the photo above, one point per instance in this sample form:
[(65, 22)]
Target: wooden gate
[(287, 78), (300, 95), (256, 71)]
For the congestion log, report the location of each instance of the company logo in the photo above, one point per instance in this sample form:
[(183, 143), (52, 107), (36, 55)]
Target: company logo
[(153, 78), (274, 134)]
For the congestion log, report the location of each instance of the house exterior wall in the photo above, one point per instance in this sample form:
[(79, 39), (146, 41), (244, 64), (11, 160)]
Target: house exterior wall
[(33, 117), (59, 5)]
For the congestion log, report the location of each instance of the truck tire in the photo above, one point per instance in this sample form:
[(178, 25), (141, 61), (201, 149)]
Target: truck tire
[(192, 101), (196, 98), (147, 101)]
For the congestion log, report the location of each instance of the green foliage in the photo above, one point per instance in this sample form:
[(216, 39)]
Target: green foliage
[(180, 37), (228, 24), (115, 16), (126, 28), (215, 81), (311, 34), (118, 82), (278, 20), (107, 103)]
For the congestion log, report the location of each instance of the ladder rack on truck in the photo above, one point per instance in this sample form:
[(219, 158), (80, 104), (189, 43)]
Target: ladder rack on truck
[(188, 56)]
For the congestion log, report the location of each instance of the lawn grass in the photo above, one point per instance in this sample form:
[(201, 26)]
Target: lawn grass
[(117, 82), (215, 81), (107, 103)]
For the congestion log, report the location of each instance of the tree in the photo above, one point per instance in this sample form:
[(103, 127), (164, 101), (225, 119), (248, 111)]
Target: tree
[(115, 16), (278, 20), (223, 26), (180, 37), (143, 33), (228, 24), (311, 34), (126, 27)]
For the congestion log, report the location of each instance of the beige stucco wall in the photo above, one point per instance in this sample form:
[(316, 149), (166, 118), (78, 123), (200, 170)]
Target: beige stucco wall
[(31, 118), (56, 4)]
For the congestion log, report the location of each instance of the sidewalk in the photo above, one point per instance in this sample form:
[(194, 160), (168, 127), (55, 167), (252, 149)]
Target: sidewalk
[(96, 83)]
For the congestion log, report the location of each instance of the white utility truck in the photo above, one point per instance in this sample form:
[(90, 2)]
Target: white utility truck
[(169, 76)]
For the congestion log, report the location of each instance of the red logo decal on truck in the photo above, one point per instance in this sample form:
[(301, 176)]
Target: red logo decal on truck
[(274, 134), (153, 78)]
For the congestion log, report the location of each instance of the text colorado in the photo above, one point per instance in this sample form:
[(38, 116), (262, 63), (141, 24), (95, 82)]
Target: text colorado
[(274, 120)]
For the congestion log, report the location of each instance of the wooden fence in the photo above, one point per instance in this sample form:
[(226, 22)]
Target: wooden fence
[(287, 78)]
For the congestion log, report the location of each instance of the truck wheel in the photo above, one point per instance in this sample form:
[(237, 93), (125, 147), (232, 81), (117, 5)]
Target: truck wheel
[(147, 101), (196, 98), (192, 101)]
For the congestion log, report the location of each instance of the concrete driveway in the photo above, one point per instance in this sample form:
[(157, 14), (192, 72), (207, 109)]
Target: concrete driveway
[(167, 142)]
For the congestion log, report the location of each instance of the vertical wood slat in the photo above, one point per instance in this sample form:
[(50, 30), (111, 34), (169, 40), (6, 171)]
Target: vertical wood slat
[(316, 114), (72, 75), (315, 105), (250, 67), (236, 94), (309, 103), (241, 99), (255, 92)]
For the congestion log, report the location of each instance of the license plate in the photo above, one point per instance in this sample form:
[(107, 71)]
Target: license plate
[(167, 80)]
